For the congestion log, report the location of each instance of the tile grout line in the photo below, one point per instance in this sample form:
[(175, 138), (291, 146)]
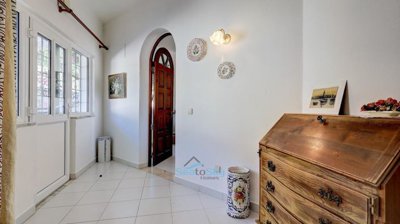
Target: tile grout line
[(73, 206), (170, 201), (115, 190), (204, 208), (140, 199), (97, 179)]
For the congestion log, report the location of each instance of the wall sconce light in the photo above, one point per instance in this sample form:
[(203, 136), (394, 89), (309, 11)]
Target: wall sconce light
[(219, 37)]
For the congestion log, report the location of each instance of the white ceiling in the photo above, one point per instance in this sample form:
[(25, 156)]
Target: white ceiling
[(107, 9)]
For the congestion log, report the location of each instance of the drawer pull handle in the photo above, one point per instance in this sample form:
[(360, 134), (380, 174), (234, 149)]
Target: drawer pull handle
[(268, 222), (270, 207), (324, 221), (270, 187), (329, 195), (271, 166), (321, 119)]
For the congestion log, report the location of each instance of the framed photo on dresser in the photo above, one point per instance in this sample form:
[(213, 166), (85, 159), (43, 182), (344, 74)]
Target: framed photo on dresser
[(325, 99)]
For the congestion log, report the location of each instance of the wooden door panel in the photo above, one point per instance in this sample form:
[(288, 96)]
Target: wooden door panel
[(160, 124), (160, 101), (169, 81), (168, 102), (161, 78)]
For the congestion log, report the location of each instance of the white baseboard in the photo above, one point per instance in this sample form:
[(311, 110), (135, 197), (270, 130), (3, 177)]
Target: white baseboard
[(26, 215), (209, 191), (131, 164), (73, 176), (43, 194)]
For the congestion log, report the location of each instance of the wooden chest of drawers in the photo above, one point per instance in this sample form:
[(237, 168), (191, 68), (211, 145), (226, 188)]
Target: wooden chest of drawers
[(330, 170)]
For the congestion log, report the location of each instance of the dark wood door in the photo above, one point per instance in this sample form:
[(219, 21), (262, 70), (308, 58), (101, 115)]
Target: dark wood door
[(163, 106)]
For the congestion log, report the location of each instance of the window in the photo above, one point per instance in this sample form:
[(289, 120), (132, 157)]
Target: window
[(60, 79), (43, 75), (50, 76), (80, 83)]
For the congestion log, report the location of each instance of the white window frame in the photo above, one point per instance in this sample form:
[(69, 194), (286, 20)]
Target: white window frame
[(29, 25), (37, 27), (90, 83)]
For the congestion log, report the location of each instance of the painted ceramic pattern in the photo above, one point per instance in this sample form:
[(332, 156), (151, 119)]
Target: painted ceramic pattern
[(238, 195), (197, 49), (226, 70)]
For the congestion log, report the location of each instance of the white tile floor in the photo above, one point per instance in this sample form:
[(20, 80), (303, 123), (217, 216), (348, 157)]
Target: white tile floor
[(125, 195), (168, 164)]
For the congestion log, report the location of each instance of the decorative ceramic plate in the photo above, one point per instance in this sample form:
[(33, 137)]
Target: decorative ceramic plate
[(380, 114), (197, 49), (226, 70)]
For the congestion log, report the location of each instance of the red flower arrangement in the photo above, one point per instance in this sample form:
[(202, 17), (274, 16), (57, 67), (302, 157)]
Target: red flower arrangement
[(389, 104)]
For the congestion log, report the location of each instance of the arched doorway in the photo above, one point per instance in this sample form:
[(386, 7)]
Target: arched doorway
[(161, 104)]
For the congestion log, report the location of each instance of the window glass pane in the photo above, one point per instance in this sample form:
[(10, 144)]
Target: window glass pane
[(43, 75), (80, 83), (60, 80)]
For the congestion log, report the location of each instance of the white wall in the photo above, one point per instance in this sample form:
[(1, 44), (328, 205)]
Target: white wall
[(31, 139), (354, 40), (230, 116)]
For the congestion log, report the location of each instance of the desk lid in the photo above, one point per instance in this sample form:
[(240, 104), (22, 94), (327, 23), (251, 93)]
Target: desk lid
[(362, 148)]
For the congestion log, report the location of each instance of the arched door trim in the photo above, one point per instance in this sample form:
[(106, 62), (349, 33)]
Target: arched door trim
[(150, 114)]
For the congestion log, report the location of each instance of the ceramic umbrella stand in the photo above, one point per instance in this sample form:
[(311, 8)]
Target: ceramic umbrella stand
[(238, 192)]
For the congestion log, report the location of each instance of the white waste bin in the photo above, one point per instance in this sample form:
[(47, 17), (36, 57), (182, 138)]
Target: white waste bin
[(103, 149)]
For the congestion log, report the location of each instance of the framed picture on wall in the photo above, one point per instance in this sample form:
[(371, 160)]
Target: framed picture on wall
[(117, 86), (326, 99)]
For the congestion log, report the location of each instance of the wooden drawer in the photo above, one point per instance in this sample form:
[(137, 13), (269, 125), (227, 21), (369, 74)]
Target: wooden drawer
[(349, 204), (277, 212), (265, 217), (303, 209)]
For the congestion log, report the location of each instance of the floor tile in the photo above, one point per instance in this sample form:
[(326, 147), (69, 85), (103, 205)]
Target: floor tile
[(77, 187), (64, 199), (105, 185), (93, 197), (111, 175), (118, 221), (131, 183), (179, 190), (87, 178), (153, 219), (154, 206), (192, 217), (209, 202), (156, 192), (186, 203), (219, 216), (156, 181), (49, 215), (121, 210), (127, 194), (168, 164), (131, 196), (252, 219), (133, 174), (84, 213)]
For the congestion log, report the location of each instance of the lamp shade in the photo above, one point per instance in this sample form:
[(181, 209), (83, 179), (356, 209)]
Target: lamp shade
[(219, 37)]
